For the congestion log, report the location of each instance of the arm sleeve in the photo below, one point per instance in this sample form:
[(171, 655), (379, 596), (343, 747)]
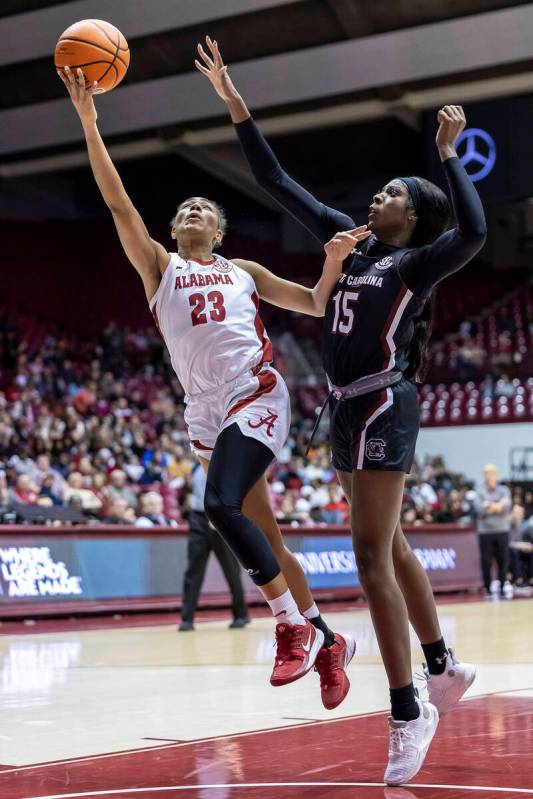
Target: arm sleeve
[(424, 267), (323, 222)]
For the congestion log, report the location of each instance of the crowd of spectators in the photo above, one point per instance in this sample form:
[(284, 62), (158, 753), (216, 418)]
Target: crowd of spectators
[(95, 428)]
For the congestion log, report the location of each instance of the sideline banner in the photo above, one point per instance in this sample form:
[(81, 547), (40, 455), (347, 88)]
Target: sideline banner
[(80, 565)]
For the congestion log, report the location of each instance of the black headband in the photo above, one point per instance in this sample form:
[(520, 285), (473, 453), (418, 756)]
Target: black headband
[(413, 187)]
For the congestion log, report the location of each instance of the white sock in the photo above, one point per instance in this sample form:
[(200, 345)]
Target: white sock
[(285, 609), (312, 612)]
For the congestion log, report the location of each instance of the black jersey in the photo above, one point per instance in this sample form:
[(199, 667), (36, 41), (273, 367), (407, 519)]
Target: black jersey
[(369, 317)]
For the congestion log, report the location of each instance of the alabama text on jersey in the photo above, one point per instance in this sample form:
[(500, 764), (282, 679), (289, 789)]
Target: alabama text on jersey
[(207, 313)]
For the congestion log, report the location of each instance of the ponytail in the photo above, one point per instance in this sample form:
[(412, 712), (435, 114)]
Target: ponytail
[(417, 354), (434, 215)]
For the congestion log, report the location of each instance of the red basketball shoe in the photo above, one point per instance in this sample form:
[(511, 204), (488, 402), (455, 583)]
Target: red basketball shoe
[(331, 664), (297, 648)]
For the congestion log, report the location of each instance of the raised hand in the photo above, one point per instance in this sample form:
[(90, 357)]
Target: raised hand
[(81, 96), (214, 69), (452, 122), (342, 244)]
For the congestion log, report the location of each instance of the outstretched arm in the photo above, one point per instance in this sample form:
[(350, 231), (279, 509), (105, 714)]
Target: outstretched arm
[(147, 256), (323, 222), (295, 297), (424, 267)]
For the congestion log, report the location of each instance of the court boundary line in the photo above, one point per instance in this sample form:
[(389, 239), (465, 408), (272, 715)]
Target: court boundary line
[(248, 785), (263, 731), (141, 749)]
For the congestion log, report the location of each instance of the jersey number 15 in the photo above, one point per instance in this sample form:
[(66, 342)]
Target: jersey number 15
[(344, 314)]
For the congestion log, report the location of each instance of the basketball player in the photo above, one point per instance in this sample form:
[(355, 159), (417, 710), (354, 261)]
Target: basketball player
[(375, 341), (238, 410)]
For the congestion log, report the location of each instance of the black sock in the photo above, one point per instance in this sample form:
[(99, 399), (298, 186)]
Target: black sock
[(404, 706), (435, 655), (320, 624)]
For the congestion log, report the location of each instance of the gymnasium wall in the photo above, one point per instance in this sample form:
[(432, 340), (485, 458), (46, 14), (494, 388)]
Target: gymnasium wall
[(468, 448)]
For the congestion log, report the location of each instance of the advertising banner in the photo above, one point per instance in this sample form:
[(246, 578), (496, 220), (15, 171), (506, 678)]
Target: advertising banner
[(39, 567)]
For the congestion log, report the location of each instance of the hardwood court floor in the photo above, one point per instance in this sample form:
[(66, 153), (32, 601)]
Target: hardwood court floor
[(146, 712)]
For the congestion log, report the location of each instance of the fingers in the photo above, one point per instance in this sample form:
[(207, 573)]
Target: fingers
[(208, 61), (353, 236), (201, 68), (358, 231), (68, 79), (215, 52), (451, 113), (62, 76)]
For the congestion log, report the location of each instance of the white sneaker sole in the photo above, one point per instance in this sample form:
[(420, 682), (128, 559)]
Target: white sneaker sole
[(307, 665), (431, 729), (470, 676)]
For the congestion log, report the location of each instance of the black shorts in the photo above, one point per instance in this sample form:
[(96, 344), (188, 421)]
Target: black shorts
[(376, 431)]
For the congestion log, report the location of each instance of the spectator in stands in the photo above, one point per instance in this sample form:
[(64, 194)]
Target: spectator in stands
[(294, 475), (493, 505), (25, 491), (88, 501), (42, 468), (47, 490), (4, 493), (118, 489), (409, 515), (317, 516), (287, 513), (151, 512), (520, 548), (421, 492), (120, 512), (153, 473), (470, 358), (317, 493), (336, 509)]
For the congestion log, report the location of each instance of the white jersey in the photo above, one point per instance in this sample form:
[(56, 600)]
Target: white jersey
[(207, 313)]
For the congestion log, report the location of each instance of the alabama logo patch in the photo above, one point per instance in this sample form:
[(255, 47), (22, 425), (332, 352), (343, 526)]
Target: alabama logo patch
[(375, 449), (222, 266), (385, 263)]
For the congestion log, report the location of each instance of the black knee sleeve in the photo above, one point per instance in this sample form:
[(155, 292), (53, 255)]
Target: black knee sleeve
[(243, 537)]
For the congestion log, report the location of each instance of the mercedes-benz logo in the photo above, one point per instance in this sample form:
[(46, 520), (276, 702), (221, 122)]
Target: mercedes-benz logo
[(479, 154)]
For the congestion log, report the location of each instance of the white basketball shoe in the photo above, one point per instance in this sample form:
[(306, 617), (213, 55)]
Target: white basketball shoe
[(446, 689), (409, 743)]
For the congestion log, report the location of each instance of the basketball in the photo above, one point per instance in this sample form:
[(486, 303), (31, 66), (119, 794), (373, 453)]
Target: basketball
[(98, 48)]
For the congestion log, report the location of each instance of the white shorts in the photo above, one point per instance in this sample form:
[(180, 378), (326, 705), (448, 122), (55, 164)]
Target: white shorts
[(259, 404)]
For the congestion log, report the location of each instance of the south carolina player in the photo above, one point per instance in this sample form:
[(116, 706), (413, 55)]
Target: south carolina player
[(238, 410), (375, 339)]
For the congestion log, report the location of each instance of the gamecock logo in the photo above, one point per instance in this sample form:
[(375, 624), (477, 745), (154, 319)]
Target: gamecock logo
[(375, 449), (269, 422)]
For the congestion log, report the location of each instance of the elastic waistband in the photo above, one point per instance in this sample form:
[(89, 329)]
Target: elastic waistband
[(365, 385), (252, 371)]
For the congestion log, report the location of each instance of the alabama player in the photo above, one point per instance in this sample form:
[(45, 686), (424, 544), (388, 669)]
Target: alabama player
[(238, 411)]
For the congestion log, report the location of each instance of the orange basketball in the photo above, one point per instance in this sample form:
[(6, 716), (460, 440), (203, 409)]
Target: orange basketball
[(98, 48)]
